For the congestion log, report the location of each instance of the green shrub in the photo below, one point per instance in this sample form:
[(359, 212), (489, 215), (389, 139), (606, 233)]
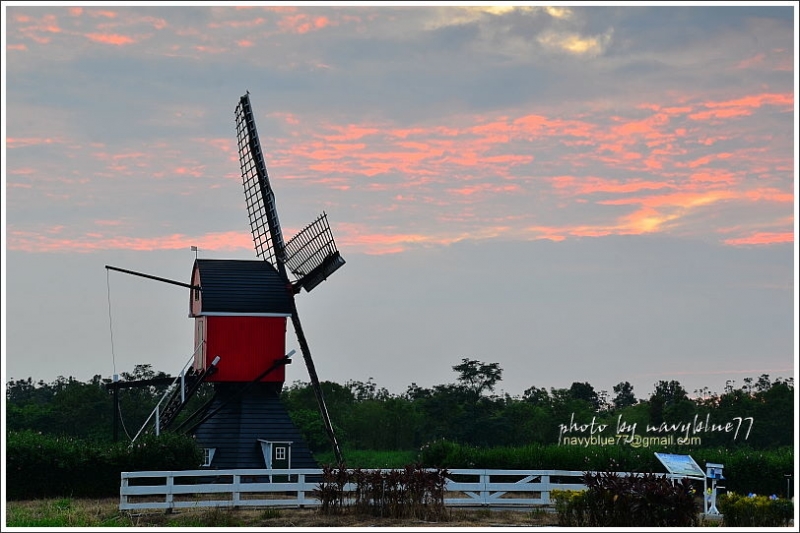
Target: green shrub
[(754, 511), (46, 466), (571, 507)]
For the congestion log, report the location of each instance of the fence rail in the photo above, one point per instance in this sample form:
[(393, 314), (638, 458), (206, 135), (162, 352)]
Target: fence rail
[(295, 488)]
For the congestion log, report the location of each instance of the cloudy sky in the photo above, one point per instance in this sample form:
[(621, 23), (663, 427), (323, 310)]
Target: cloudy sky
[(598, 194)]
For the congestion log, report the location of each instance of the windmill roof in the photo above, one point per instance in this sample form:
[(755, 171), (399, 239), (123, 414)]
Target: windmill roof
[(241, 286)]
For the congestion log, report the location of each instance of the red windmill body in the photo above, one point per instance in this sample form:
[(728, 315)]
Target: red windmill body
[(240, 316)]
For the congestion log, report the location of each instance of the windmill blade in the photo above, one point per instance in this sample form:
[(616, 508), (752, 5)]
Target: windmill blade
[(311, 255), (258, 194), (268, 238)]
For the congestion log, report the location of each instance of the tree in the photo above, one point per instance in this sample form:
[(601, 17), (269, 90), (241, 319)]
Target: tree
[(624, 395), (536, 396), (668, 397), (477, 377), (367, 391), (585, 392)]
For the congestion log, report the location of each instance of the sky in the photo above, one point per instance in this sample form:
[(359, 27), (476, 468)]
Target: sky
[(578, 193)]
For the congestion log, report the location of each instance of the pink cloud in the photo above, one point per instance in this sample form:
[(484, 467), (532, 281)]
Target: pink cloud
[(761, 238), (720, 113), (110, 38), (22, 142), (750, 62), (195, 172), (591, 185), (714, 176), (43, 242), (349, 132), (35, 29), (102, 13), (770, 195), (744, 106), (676, 199), (302, 23), (469, 190), (246, 23), (24, 171)]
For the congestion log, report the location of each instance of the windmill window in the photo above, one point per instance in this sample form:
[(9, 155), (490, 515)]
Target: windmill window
[(280, 453), (208, 456)]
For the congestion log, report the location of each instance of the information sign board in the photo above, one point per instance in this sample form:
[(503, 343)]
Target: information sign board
[(682, 465)]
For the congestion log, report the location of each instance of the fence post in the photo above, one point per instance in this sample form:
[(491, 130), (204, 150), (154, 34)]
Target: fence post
[(123, 491), (545, 481), (170, 495), (236, 490)]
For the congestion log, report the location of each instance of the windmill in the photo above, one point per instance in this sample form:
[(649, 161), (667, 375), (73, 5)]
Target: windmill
[(240, 309), (311, 255)]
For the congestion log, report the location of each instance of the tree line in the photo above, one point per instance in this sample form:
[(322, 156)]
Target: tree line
[(467, 411)]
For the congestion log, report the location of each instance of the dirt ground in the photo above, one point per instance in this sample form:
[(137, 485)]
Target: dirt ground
[(305, 518), (106, 513), (82, 513)]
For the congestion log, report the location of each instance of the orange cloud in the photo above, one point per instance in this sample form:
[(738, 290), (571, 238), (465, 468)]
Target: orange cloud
[(679, 199), (247, 23), (102, 13), (757, 100), (751, 61), (22, 142), (42, 242), (706, 159), (21, 47), (24, 171), (770, 195), (761, 237), (469, 190), (714, 176), (48, 24), (110, 38), (302, 23), (223, 144), (195, 172), (591, 185), (349, 132), (744, 106), (720, 113)]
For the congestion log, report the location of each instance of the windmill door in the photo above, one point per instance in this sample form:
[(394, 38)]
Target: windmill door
[(277, 455), (199, 343)]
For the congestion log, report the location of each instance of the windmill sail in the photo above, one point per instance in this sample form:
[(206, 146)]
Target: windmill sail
[(311, 255), (314, 253), (264, 224)]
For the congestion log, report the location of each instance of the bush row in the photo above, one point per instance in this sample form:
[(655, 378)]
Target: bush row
[(46, 466), (611, 500), (754, 511), (746, 470), (409, 492)]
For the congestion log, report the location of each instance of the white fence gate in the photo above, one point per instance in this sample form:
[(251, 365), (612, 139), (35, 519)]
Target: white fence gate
[(295, 488)]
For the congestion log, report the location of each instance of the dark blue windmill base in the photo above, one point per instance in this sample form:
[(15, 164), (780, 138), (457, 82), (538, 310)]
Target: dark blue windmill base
[(245, 417)]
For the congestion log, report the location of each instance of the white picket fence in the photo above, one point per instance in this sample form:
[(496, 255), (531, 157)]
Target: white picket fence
[(295, 488)]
